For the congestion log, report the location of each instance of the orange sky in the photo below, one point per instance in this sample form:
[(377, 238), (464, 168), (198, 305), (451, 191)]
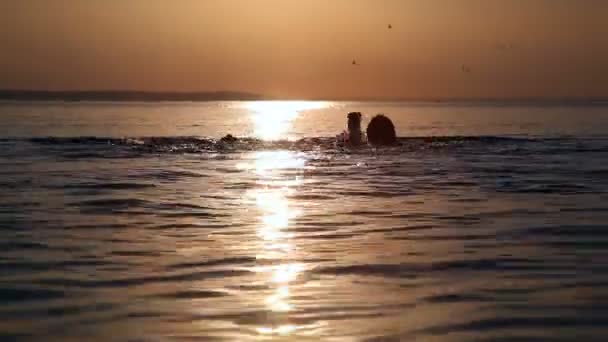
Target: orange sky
[(304, 48)]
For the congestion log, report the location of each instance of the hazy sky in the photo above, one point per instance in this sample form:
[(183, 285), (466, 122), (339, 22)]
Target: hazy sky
[(304, 48)]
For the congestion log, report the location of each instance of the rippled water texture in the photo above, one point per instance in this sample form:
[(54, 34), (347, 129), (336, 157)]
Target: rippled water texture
[(131, 222)]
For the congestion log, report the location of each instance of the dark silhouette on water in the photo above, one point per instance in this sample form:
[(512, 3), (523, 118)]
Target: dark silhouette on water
[(354, 136), (381, 131), (120, 95), (229, 138), (354, 128)]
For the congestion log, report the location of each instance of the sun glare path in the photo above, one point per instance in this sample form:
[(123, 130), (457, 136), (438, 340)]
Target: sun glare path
[(272, 120), (276, 183)]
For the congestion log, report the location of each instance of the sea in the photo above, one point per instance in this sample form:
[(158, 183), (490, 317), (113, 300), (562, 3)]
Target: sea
[(133, 221)]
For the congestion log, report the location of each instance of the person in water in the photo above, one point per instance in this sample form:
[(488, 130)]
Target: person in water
[(355, 136), (229, 138), (380, 131)]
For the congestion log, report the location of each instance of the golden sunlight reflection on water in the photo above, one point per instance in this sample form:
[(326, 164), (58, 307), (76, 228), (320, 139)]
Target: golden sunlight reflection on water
[(271, 197), (276, 213), (273, 119)]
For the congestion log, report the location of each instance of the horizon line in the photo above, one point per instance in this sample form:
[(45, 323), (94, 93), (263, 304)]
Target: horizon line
[(105, 95)]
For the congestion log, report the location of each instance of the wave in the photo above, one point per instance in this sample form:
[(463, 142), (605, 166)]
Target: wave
[(174, 140), (98, 147)]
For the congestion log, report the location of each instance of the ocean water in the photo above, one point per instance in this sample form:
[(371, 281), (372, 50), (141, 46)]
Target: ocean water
[(132, 222)]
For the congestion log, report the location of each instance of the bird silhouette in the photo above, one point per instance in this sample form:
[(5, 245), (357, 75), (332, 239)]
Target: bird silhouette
[(390, 26), (355, 62)]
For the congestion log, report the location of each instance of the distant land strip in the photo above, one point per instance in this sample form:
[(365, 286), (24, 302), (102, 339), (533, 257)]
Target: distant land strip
[(119, 95), (150, 96)]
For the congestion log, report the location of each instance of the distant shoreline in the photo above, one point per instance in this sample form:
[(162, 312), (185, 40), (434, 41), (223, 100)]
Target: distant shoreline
[(124, 96), (11, 95)]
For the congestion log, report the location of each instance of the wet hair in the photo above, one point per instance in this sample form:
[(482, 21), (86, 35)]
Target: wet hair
[(229, 138), (381, 131), (354, 121)]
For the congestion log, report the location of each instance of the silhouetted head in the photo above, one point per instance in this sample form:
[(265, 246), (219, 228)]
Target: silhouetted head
[(381, 131), (354, 121), (229, 138)]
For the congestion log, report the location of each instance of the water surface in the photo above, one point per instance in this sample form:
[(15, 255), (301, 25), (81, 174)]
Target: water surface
[(131, 222)]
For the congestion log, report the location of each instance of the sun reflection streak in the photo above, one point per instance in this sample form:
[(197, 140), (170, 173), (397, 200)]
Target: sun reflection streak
[(279, 300), (268, 162), (273, 119), (276, 184), (281, 330), (284, 274)]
